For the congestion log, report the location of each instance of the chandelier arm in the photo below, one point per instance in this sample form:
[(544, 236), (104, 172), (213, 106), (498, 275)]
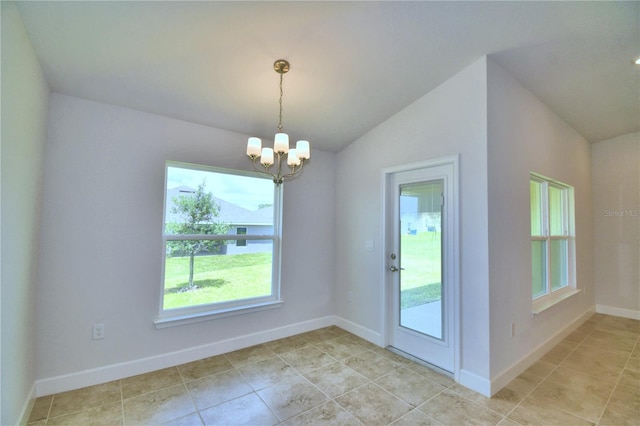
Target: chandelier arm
[(295, 170)]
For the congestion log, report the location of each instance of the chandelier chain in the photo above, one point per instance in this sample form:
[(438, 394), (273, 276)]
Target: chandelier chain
[(280, 117)]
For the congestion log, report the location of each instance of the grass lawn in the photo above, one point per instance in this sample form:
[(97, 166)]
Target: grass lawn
[(219, 278), (421, 277), (222, 278)]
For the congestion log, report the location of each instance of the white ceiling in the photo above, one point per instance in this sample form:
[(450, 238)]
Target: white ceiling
[(353, 64)]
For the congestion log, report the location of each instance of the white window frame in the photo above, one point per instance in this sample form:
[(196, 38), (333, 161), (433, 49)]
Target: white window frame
[(186, 315), (552, 297)]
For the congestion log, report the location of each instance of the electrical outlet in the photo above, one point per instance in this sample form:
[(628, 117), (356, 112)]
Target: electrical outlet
[(98, 331)]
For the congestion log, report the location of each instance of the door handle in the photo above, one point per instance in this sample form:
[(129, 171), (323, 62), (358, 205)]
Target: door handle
[(392, 268)]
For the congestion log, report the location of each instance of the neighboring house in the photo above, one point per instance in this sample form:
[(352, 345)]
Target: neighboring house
[(241, 221)]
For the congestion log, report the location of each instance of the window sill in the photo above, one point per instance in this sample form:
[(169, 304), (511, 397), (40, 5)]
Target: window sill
[(548, 302), (190, 318)]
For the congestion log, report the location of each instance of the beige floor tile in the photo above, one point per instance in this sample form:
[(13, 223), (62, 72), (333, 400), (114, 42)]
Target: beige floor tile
[(617, 340), (507, 422), (292, 397), (578, 335), (586, 401), (288, 344), (617, 324), (323, 334), (592, 375), (502, 402), (246, 410), (219, 388), (204, 367), (450, 408), (40, 410), (535, 413), (189, 420), (364, 344), (416, 418), (392, 356), (107, 415), (604, 364), (340, 348), (336, 379), (633, 363), (541, 368), (627, 391), (524, 384), (619, 414), (409, 386), (431, 374), (150, 382), (158, 407), (307, 359), (82, 399), (559, 352), (252, 354), (266, 373), (328, 413), (373, 405), (370, 364)]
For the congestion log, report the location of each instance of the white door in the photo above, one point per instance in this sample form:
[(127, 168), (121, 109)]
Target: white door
[(420, 263)]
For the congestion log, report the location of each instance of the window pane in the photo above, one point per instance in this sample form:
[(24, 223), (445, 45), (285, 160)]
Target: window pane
[(556, 211), (207, 202), (558, 265), (195, 277), (536, 208), (538, 268)]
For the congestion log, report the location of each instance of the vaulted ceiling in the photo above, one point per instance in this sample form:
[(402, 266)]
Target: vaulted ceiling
[(353, 64)]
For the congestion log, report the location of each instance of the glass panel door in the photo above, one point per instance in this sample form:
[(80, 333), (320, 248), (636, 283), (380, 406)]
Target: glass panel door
[(421, 302)]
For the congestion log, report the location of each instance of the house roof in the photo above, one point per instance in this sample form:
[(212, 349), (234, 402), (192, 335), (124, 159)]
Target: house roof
[(228, 212), (353, 64)]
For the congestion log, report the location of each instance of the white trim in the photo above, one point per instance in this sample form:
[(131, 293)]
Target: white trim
[(122, 370), (510, 373), (192, 317), (28, 406), (619, 312), (547, 302), (476, 383), (360, 331)]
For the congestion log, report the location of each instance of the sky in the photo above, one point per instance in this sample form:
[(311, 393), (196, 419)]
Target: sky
[(244, 191)]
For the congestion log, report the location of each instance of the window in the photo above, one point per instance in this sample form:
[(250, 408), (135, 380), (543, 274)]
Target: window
[(241, 230), (221, 237), (552, 240)]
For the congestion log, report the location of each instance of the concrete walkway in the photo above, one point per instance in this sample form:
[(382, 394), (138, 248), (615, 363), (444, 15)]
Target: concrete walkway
[(425, 319)]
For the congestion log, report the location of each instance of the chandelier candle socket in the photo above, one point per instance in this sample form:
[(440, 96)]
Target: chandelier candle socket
[(268, 156)]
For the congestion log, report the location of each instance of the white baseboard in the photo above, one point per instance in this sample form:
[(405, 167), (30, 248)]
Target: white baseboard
[(122, 370), (28, 406), (474, 382), (360, 331), (619, 312), (520, 366)]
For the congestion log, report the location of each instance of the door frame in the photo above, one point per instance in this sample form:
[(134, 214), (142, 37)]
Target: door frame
[(387, 246)]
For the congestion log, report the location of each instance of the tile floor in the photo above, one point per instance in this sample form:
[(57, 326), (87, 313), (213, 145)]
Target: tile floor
[(329, 376)]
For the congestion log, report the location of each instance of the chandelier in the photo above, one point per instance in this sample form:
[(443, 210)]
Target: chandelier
[(280, 153)]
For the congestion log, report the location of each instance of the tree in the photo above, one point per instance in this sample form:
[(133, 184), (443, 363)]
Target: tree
[(197, 212)]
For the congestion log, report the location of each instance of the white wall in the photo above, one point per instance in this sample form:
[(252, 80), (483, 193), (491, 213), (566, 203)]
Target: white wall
[(449, 120), (101, 237), (25, 98), (616, 222), (525, 136)]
